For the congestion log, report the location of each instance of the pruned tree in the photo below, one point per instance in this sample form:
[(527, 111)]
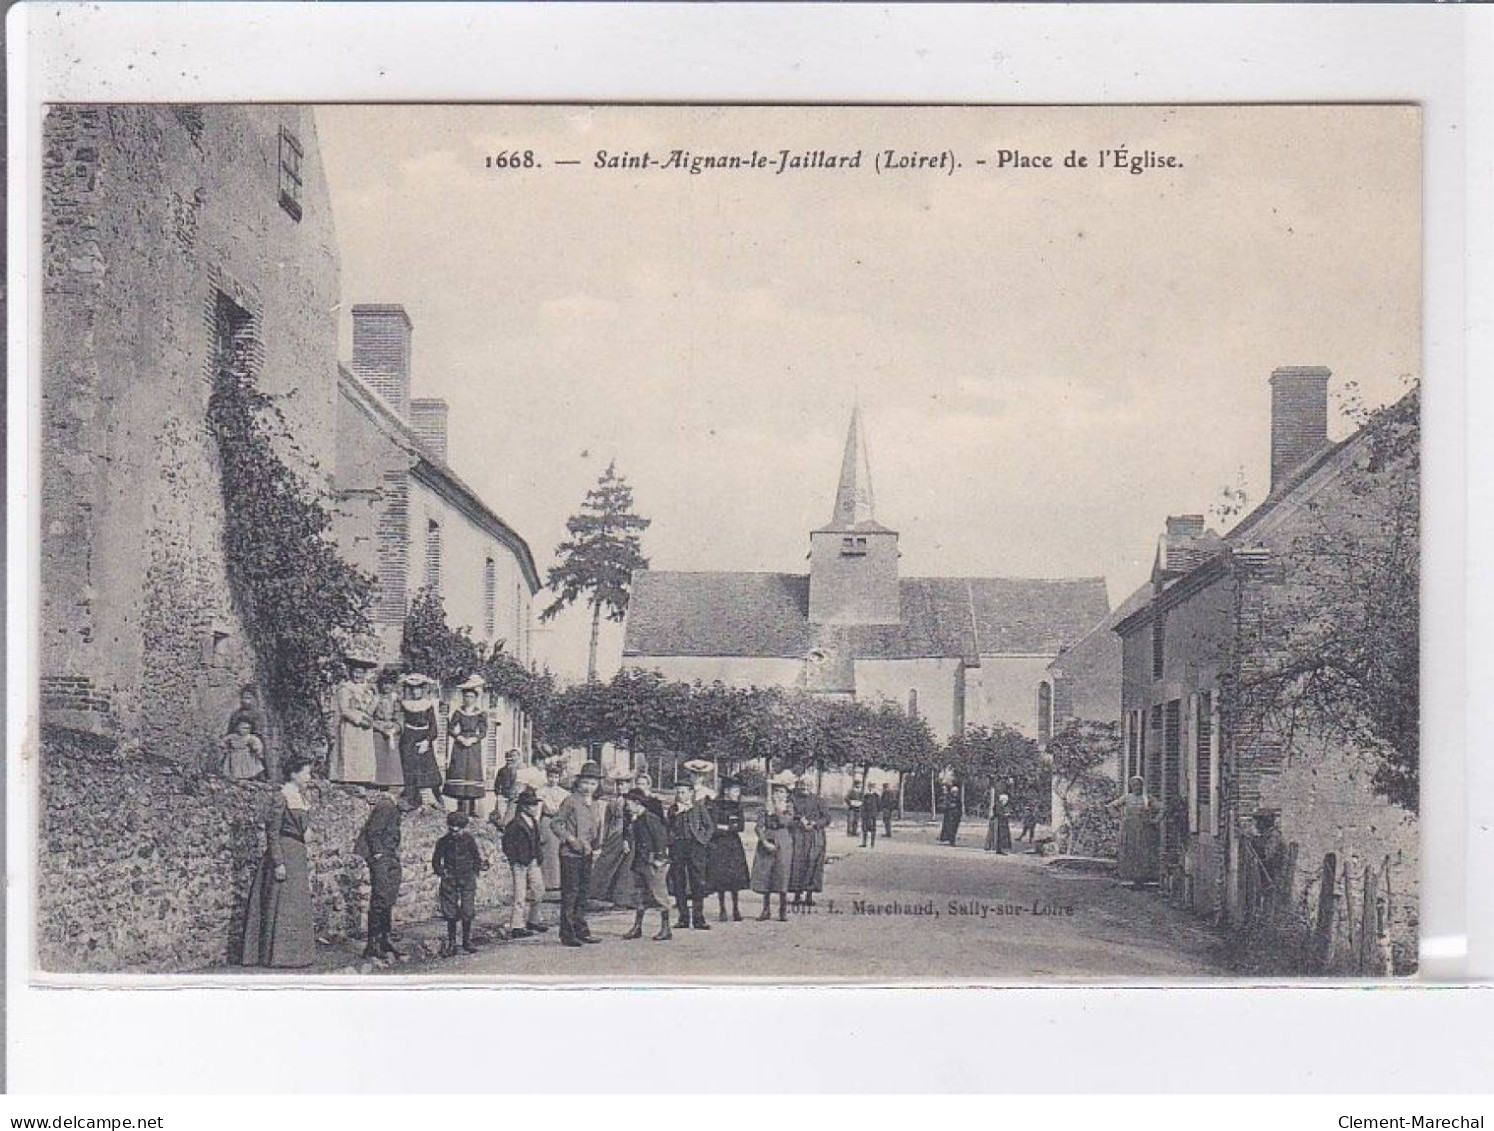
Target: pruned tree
[(1079, 754), (597, 560)]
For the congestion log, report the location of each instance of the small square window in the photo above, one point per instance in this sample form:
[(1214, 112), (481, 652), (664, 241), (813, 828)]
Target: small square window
[(290, 174), (853, 547)]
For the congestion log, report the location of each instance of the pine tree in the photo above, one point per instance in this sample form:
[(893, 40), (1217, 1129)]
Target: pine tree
[(598, 559)]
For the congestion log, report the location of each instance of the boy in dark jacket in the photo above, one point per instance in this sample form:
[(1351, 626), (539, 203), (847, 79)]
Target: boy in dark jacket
[(649, 864), (521, 848), (691, 828), (457, 860)]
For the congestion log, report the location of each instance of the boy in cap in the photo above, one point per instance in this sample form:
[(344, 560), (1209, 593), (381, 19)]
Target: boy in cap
[(457, 860), (649, 863), (691, 828), (522, 849), (578, 827)]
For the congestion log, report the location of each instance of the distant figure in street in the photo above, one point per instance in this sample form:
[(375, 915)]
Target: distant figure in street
[(387, 769), (870, 811), (1137, 864), (691, 828), (242, 754), (954, 803), (999, 827), (578, 828), (552, 796), (726, 871), (466, 730), (278, 927), (457, 860), (505, 783), (378, 844), (774, 855), (853, 809), (1029, 822), (521, 848), (352, 758), (887, 805), (648, 865), (417, 740), (811, 819)]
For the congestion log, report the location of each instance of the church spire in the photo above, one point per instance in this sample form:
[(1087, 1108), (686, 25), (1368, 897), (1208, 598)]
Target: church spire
[(854, 502)]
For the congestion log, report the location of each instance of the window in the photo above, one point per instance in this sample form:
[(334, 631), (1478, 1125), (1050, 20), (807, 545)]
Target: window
[(1203, 758), (433, 555), (912, 702), (853, 547), (290, 174), (1045, 712), (489, 597), (1159, 644), (1172, 747), (1133, 746), (1154, 754)]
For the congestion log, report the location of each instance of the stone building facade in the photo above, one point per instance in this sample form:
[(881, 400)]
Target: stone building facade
[(405, 517), (174, 237), (1211, 620), (957, 651)]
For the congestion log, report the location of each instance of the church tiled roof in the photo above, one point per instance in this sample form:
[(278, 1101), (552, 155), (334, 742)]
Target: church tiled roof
[(767, 615)]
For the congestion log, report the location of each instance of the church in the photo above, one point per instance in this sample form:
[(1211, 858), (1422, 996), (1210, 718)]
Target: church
[(957, 651)]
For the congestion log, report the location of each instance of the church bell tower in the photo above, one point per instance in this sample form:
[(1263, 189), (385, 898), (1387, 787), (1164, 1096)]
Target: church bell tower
[(853, 559)]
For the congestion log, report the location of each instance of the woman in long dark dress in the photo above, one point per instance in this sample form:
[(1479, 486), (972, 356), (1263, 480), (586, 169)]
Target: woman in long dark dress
[(609, 872), (775, 852), (417, 741), (278, 928), (999, 828), (466, 730), (954, 809), (726, 867)]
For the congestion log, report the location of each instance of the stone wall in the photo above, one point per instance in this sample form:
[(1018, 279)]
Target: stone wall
[(163, 228), (145, 866)]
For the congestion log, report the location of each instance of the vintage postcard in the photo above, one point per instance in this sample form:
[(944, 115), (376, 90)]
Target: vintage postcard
[(660, 543)]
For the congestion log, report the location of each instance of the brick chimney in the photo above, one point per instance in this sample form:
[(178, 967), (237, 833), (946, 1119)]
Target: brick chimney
[(428, 418), (381, 353), (1299, 418)]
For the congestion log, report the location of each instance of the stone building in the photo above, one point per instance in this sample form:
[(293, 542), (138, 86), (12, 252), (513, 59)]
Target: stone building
[(1209, 622), (174, 237), (405, 517), (958, 651)]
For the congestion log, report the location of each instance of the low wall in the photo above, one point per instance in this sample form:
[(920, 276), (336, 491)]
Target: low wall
[(145, 867)]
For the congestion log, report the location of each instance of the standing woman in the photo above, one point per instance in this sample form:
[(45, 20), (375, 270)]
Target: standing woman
[(278, 928), (999, 827), (610, 872), (811, 819), (726, 867), (1137, 864), (552, 796), (465, 730), (954, 809), (417, 741), (387, 771), (352, 759), (775, 852)]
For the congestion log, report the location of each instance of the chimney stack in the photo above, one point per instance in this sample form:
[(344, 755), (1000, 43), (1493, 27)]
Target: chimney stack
[(428, 418), (1299, 418), (381, 353), (1184, 545)]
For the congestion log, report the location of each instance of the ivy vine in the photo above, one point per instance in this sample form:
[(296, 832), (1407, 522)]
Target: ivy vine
[(299, 600)]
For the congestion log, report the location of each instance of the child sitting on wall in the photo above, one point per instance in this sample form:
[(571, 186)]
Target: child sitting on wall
[(242, 753)]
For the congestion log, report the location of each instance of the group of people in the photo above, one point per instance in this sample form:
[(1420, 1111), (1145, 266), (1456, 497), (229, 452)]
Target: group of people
[(629, 849), (864, 805), (998, 823)]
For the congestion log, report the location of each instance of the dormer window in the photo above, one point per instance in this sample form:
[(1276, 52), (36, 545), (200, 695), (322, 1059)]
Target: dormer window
[(853, 547)]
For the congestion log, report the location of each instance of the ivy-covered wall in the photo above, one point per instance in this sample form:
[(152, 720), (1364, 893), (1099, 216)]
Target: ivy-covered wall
[(145, 867), (153, 215)]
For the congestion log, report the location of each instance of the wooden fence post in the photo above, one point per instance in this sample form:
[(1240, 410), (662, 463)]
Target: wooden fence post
[(1323, 928)]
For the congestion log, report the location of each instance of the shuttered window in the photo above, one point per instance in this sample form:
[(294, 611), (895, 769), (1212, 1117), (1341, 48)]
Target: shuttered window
[(489, 597), (433, 555), (1159, 645), (1172, 747), (1154, 754), (1203, 758)]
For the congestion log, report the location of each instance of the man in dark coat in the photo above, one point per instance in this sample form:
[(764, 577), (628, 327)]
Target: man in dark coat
[(887, 805), (378, 844), (870, 803), (522, 849), (853, 809), (691, 828), (954, 809)]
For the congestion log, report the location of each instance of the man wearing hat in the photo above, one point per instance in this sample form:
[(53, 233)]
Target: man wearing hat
[(691, 827), (578, 828), (466, 730), (521, 848), (648, 864)]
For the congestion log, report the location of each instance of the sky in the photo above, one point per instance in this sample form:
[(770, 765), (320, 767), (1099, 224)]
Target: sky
[(1048, 361)]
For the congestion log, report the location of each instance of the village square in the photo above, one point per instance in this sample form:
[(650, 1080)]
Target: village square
[(302, 711)]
